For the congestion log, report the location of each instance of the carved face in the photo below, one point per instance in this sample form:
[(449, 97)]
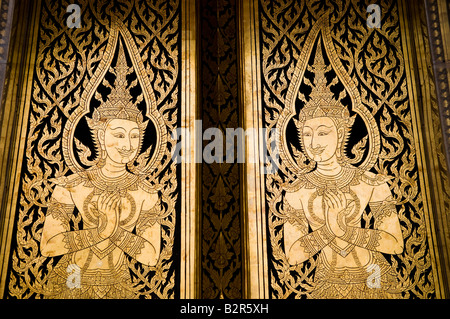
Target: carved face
[(121, 140), (321, 138)]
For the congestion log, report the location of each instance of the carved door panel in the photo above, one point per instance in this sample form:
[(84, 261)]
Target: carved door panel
[(338, 187), (349, 211), (96, 204)]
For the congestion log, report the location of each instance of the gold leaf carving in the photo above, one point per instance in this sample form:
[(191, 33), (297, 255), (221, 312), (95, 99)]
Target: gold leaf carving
[(377, 88), (70, 63)]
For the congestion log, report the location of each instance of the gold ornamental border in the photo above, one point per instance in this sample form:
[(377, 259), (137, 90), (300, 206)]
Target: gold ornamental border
[(16, 107), (421, 139)]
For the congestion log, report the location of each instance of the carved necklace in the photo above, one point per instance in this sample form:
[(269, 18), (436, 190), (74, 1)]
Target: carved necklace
[(341, 181), (121, 184)]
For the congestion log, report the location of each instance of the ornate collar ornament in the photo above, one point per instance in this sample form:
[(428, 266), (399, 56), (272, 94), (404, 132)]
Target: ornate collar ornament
[(347, 177), (94, 178), (101, 183)]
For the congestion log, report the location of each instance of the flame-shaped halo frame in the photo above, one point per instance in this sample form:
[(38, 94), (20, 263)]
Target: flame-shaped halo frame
[(152, 113), (322, 27)]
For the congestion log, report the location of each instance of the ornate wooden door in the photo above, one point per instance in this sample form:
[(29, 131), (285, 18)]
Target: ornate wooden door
[(224, 149)]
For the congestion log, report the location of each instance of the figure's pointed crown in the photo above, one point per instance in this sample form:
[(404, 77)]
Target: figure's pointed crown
[(119, 103), (321, 101)]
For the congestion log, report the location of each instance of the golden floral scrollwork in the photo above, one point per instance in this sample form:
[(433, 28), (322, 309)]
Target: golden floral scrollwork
[(362, 69), (121, 66), (221, 239)]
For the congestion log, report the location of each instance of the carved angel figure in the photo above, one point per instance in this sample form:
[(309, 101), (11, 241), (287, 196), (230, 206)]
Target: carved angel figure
[(326, 206), (117, 208)]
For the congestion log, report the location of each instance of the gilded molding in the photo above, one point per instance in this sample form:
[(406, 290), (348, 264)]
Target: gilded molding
[(436, 34)]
